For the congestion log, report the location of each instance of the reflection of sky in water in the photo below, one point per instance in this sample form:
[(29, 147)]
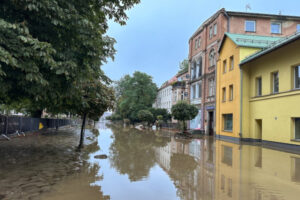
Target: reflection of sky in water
[(156, 186)]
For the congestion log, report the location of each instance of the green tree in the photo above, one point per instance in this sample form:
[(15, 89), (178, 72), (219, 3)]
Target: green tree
[(183, 111), (135, 93), (90, 100), (145, 116), (162, 112), (184, 66), (47, 46)]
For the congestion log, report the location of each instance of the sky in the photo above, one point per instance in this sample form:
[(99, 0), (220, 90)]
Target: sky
[(155, 38)]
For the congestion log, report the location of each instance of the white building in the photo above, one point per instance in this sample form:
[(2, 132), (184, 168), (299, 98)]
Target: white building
[(164, 96)]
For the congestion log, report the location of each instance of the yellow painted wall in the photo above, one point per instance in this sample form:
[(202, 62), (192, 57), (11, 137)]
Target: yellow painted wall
[(275, 110), (225, 80)]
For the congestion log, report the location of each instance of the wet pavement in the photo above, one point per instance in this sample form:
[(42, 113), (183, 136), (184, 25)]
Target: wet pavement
[(143, 165)]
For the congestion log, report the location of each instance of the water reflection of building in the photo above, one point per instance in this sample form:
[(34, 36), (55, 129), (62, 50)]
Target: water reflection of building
[(252, 172), (190, 165)]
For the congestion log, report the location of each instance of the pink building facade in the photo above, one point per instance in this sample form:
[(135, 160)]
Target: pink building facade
[(203, 54)]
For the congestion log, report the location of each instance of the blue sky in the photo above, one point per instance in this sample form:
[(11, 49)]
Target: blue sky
[(156, 36)]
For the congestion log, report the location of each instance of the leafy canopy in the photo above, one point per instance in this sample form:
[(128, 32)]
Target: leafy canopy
[(135, 93), (49, 48)]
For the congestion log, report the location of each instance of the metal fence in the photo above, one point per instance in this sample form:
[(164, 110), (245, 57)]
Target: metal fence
[(19, 124), (171, 125)]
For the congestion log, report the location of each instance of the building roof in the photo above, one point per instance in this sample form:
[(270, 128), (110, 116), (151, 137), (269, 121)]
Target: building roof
[(273, 46), (245, 40), (242, 14), (263, 15)]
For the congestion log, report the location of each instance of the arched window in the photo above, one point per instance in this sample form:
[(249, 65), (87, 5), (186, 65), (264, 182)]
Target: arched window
[(212, 58)]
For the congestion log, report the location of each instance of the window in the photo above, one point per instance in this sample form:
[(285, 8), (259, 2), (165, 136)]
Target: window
[(199, 42), (250, 26), (215, 29), (224, 94), (227, 122), (258, 86), (224, 66), (211, 87), (297, 77), (275, 82), (298, 27), (231, 63), (210, 32), (200, 90), (297, 128), (194, 69), (194, 91), (212, 60), (230, 92), (200, 67), (196, 43), (276, 28)]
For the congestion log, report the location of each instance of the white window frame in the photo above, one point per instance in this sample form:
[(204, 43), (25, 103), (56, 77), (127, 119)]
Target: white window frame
[(280, 31), (246, 26)]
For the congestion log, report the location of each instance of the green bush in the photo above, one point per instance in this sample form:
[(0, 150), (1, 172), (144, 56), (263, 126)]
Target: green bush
[(145, 116)]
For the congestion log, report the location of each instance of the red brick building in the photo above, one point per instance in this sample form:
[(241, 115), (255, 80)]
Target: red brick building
[(203, 54)]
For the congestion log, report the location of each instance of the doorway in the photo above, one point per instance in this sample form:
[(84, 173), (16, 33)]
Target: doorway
[(258, 131), (211, 123)]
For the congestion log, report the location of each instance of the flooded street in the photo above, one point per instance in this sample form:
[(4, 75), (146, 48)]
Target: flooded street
[(143, 165)]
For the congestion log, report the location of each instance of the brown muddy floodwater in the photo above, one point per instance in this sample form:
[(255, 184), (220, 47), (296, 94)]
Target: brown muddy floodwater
[(143, 166)]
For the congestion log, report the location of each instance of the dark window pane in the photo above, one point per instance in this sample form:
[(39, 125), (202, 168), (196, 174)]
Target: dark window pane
[(228, 122), (297, 77), (297, 128)]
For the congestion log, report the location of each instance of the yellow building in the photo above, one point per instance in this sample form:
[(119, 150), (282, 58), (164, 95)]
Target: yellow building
[(271, 94), (233, 49)]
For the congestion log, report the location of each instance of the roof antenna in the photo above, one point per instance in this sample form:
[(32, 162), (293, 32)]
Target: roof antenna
[(279, 13), (248, 7)]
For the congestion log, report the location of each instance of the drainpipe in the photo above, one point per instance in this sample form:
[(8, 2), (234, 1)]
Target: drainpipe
[(228, 21), (241, 104)]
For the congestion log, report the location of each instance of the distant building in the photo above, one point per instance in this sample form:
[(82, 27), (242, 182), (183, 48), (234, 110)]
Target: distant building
[(180, 88), (164, 96), (203, 55)]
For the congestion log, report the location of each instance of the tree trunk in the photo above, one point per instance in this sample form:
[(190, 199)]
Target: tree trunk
[(183, 126), (82, 132)]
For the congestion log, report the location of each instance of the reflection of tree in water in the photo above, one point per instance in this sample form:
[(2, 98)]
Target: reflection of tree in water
[(182, 167), (132, 151)]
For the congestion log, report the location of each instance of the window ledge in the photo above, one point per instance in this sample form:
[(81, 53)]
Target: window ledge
[(295, 140), (228, 131)]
